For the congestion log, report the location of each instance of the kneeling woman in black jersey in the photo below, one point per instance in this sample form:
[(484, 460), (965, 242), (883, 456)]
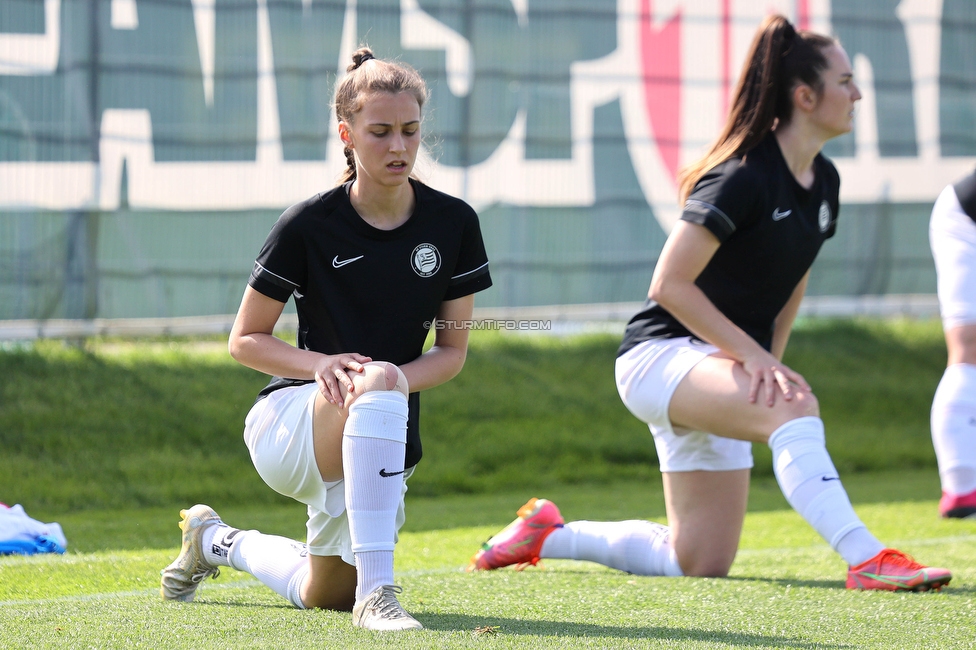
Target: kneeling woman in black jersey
[(701, 362), (371, 265)]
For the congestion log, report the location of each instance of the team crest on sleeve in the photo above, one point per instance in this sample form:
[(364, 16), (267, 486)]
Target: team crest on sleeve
[(823, 217), (425, 260)]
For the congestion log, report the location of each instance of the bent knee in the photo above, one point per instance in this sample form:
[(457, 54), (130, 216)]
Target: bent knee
[(341, 602), (331, 584), (381, 375), (709, 554), (707, 569), (804, 404)]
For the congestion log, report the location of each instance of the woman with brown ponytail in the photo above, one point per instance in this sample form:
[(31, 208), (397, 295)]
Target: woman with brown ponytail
[(372, 265), (701, 363)]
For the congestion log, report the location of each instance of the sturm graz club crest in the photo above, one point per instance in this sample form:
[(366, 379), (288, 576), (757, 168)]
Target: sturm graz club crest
[(425, 260)]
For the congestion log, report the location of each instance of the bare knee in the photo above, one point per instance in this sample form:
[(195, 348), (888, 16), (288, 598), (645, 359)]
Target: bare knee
[(335, 601), (705, 514), (331, 584), (805, 404), (706, 568), (380, 375), (712, 562)]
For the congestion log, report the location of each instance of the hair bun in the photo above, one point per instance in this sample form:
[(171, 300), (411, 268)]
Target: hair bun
[(359, 57)]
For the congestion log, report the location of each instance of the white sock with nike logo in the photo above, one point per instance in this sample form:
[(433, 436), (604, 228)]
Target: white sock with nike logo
[(373, 446), (810, 483)]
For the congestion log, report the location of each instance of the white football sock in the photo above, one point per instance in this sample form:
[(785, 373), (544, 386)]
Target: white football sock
[(635, 546), (954, 428), (812, 486), (373, 446), (216, 542), (278, 562)]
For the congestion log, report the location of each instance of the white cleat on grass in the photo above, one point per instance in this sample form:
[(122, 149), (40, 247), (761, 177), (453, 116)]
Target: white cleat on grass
[(181, 578), (382, 612)]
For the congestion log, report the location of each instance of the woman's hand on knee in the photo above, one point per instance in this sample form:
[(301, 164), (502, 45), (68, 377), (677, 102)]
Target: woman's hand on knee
[(376, 375), (334, 374), (769, 374)]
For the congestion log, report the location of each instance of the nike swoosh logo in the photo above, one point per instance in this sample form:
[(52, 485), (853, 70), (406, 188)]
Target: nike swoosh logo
[(385, 473), (829, 478), (777, 215), (337, 264), (521, 543)]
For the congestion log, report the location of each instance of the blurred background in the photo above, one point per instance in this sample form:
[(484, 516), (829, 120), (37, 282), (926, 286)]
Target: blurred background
[(147, 146)]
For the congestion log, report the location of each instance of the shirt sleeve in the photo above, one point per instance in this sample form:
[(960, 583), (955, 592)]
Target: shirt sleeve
[(724, 200), (966, 193), (280, 269), (833, 199), (471, 270)]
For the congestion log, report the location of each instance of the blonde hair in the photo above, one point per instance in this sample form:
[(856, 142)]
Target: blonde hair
[(361, 81)]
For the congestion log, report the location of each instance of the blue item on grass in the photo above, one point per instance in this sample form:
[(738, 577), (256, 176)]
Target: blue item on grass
[(41, 544), (21, 535)]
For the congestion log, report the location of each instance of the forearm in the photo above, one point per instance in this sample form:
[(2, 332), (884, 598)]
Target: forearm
[(438, 365), (781, 332), (268, 354), (446, 358), (683, 258), (783, 324), (253, 344), (689, 304)]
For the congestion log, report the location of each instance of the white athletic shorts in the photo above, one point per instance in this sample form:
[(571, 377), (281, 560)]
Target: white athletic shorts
[(952, 235), (278, 433), (647, 376)]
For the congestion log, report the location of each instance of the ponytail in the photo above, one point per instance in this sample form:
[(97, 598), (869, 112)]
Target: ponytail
[(778, 60)]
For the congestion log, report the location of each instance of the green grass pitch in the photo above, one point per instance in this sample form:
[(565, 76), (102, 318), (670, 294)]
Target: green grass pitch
[(113, 438), (785, 591)]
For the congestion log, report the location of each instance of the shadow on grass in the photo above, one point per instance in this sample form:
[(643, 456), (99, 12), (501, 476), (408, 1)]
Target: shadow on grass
[(839, 584), (231, 602), (958, 592), (787, 582), (509, 626)]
